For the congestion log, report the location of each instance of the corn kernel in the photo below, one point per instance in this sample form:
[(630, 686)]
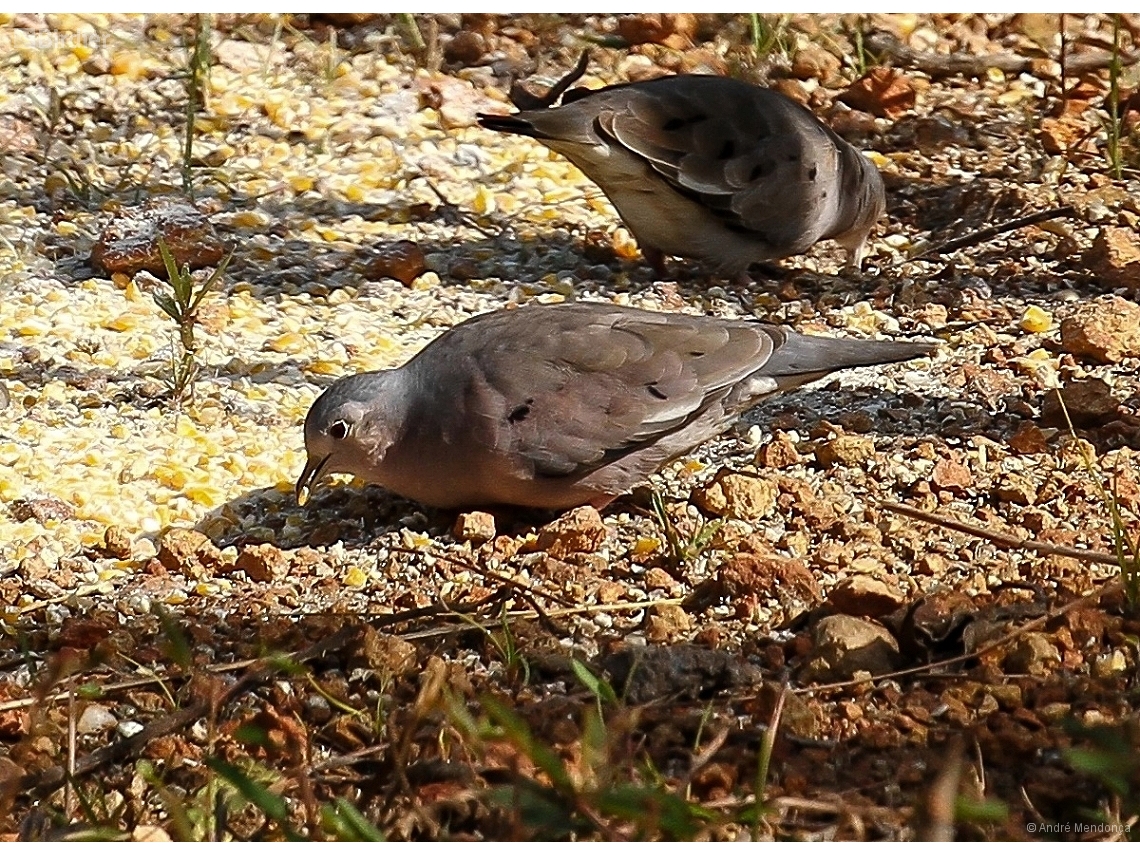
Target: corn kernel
[(354, 577), (127, 63), (301, 183), (287, 343), (123, 323), (624, 245), (484, 201), (168, 476), (250, 220), (645, 546), (1036, 320), (204, 494), (32, 327)]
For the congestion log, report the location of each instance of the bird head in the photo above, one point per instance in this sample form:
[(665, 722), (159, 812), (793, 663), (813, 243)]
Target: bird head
[(348, 428)]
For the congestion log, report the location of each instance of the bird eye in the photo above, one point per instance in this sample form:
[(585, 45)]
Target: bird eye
[(338, 429)]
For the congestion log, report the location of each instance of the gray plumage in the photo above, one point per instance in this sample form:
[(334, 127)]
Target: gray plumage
[(712, 168), (553, 406)]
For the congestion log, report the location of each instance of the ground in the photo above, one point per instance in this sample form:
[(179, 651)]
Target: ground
[(770, 649)]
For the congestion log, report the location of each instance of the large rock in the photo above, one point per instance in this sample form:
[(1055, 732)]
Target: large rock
[(845, 646), (732, 494), (1105, 330)]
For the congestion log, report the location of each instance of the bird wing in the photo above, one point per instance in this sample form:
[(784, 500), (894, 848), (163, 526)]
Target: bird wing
[(755, 159), (564, 390)]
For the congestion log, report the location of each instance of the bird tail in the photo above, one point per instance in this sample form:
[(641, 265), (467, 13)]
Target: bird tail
[(803, 358)]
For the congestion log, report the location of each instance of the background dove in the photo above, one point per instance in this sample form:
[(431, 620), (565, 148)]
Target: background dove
[(553, 406), (712, 168)]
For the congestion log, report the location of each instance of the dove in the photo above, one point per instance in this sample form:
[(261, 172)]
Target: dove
[(712, 168), (556, 406)]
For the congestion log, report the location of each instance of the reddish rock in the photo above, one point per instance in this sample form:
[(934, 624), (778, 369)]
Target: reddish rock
[(129, 243), (1115, 257), (674, 30), (738, 496), (477, 527), (813, 61), (579, 530), (865, 596), (881, 91), (1033, 653), (820, 514), (846, 645), (1089, 401), (1017, 488), (1105, 330), (779, 453), (1065, 134), (845, 451), (17, 136), (41, 510), (667, 622), (387, 655), (403, 261), (465, 48), (1028, 439), (749, 574), (117, 542), (658, 579), (931, 564), (951, 476), (792, 89), (184, 550), (262, 562)]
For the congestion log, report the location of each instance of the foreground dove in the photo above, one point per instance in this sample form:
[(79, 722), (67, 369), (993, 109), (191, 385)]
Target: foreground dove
[(554, 406), (712, 168)]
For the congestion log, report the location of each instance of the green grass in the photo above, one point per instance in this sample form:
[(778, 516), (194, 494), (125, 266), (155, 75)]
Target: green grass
[(771, 34), (594, 797), (181, 305), (683, 550), (196, 74)]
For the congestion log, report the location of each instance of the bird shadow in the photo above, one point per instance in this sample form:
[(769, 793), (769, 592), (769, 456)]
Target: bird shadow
[(941, 208)]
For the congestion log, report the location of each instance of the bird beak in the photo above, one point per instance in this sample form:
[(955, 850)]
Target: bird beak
[(309, 476)]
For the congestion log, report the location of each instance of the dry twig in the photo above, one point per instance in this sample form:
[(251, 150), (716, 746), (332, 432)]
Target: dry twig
[(982, 235), (970, 65), (43, 782), (1041, 547)]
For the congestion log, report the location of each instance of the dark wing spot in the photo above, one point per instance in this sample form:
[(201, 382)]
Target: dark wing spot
[(519, 413), (726, 151), (696, 353), (677, 122), (764, 167), (655, 392), (812, 173)]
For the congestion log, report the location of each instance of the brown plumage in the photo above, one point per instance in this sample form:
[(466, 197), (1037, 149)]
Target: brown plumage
[(712, 168), (553, 406)]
